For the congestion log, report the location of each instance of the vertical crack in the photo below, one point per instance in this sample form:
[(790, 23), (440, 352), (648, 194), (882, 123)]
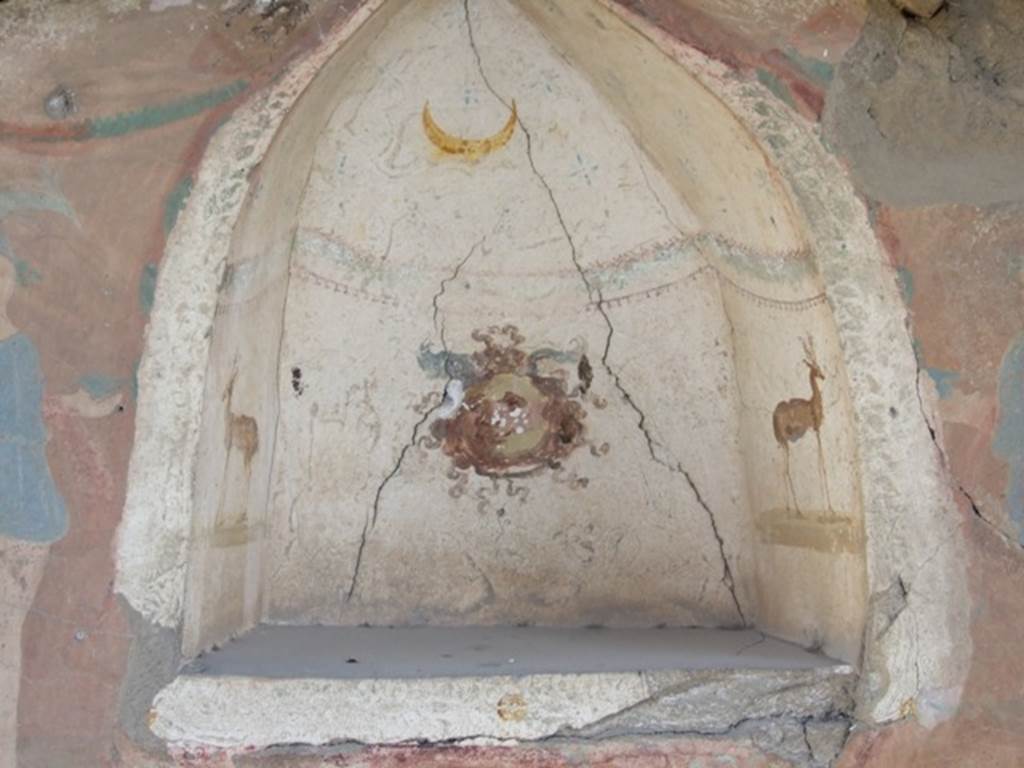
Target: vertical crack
[(727, 578), (943, 459), (371, 519), (592, 290), (440, 293), (807, 741), (596, 297)]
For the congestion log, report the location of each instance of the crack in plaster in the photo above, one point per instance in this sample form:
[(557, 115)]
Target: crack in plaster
[(371, 519), (744, 726), (615, 733), (440, 293), (891, 613), (599, 304), (727, 577), (944, 461), (807, 741), (571, 737), (754, 644)]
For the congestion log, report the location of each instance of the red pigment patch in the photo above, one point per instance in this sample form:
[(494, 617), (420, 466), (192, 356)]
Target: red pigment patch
[(512, 420), (636, 753)]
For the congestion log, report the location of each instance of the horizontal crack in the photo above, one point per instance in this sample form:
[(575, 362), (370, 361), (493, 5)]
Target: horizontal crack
[(569, 737)]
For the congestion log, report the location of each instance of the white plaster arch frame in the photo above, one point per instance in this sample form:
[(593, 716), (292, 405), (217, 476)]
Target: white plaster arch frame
[(914, 658)]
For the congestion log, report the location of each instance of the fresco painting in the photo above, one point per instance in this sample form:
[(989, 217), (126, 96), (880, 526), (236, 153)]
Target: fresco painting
[(508, 418), (471, 149), (506, 393), (791, 420)]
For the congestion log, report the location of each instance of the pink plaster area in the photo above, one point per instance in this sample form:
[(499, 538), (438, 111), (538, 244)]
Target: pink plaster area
[(82, 308), (986, 730), (634, 753), (795, 52), (961, 273), (630, 755), (961, 278)]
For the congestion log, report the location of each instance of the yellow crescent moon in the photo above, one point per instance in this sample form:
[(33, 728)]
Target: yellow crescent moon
[(470, 148)]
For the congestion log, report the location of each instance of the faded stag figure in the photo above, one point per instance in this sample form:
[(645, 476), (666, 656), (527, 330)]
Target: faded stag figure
[(792, 418)]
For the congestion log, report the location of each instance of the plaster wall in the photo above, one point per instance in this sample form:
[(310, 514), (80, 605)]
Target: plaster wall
[(669, 315), (804, 494), (153, 86), (413, 270), (560, 259), (242, 400)]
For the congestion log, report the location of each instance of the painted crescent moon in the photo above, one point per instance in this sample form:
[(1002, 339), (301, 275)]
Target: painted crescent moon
[(470, 148)]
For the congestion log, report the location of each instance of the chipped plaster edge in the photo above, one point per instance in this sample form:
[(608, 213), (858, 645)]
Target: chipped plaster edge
[(154, 533), (245, 712), (911, 517), (234, 713), (920, 663)]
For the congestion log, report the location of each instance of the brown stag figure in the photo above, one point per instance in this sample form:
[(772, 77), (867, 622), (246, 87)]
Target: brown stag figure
[(792, 418)]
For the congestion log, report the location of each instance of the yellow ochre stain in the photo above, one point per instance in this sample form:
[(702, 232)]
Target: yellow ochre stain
[(512, 707), (908, 708), (471, 149)]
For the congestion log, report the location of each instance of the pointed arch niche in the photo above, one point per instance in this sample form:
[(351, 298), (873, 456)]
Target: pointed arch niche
[(518, 313)]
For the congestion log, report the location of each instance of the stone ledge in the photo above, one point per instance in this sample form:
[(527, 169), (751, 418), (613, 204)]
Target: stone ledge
[(654, 681)]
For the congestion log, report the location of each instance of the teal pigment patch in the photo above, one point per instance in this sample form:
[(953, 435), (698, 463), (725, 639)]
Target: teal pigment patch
[(99, 386), (776, 86), (906, 281), (147, 288), (942, 378), (175, 203), (1009, 438), (161, 114), (816, 69)]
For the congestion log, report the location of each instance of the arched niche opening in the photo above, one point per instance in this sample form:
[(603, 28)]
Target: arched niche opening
[(514, 322)]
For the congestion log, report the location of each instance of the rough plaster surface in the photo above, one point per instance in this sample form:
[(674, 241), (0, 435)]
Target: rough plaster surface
[(21, 569), (912, 640), (735, 685), (153, 662), (930, 110), (628, 403), (31, 24), (753, 748), (240, 712), (959, 252), (804, 501)]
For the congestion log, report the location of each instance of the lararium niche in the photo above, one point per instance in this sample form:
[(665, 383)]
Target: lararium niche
[(514, 324)]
